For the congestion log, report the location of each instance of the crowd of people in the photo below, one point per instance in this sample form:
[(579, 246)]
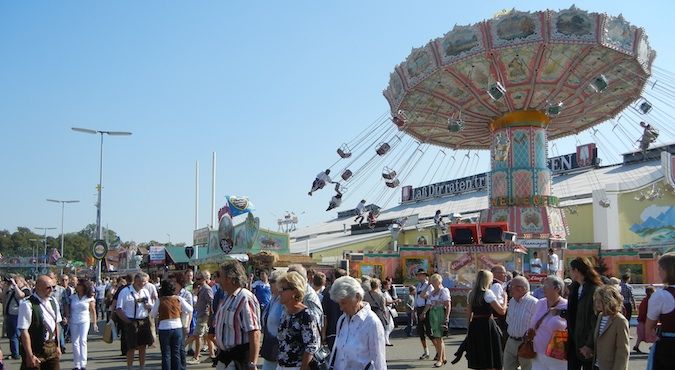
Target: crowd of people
[(293, 319)]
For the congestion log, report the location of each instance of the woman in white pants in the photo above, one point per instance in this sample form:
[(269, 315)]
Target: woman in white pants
[(79, 313), (391, 307)]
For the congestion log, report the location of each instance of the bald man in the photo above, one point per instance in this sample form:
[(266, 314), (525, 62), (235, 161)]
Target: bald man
[(39, 316)]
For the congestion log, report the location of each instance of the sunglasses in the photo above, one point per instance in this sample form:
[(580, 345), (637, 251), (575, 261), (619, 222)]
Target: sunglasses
[(52, 287)]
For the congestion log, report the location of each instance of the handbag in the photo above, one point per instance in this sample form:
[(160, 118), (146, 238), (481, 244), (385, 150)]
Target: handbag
[(557, 346), (526, 349), (320, 359), (108, 332)]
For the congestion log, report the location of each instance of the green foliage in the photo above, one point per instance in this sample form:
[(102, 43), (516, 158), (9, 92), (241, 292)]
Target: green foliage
[(77, 245)]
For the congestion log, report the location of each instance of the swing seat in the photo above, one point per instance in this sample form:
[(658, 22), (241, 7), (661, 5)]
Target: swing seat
[(344, 152), (645, 107), (388, 173), (346, 175), (383, 149), (455, 125), (393, 183), (400, 119)]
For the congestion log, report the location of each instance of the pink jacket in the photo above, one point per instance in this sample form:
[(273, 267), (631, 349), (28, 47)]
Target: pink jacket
[(550, 324)]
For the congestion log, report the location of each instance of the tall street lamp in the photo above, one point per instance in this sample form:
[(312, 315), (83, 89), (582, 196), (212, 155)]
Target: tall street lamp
[(44, 238), (99, 188), (63, 204)]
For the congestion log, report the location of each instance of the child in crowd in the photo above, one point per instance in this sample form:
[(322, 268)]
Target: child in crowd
[(611, 336)]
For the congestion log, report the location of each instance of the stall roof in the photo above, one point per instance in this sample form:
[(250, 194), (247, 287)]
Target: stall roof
[(178, 255)]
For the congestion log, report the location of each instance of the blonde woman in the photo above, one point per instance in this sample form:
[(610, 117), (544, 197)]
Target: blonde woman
[(611, 338), (438, 310), (483, 340), (298, 333)]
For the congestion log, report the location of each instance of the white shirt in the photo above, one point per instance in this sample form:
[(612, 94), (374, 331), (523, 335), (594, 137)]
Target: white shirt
[(519, 315), (313, 303), (553, 263), (660, 302), (533, 268), (127, 301), (489, 297), (498, 290), (421, 288), (79, 309), (100, 290), (324, 177), (359, 341), (440, 298), (169, 324), (48, 315), (360, 207), (188, 298), (152, 289)]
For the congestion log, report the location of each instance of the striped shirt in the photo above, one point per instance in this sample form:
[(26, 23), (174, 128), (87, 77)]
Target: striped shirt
[(519, 314), (237, 316)]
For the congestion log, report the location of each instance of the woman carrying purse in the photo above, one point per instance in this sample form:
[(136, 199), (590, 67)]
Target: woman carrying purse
[(547, 312)]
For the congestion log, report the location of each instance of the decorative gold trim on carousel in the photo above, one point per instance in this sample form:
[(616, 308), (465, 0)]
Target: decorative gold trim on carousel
[(521, 118), (535, 200)]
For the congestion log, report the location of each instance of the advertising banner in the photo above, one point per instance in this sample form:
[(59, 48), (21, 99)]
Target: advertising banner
[(157, 255)]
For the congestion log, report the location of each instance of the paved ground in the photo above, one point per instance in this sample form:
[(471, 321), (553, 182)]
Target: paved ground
[(403, 355)]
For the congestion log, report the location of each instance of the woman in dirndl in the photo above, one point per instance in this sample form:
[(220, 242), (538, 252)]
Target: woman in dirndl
[(662, 309), (438, 310), (483, 340)]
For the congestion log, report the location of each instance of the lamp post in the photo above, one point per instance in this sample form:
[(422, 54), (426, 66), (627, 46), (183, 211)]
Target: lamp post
[(44, 238), (63, 204), (32, 246), (99, 188)]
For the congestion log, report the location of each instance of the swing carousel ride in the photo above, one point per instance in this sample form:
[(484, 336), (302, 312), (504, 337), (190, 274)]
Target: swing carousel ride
[(509, 85)]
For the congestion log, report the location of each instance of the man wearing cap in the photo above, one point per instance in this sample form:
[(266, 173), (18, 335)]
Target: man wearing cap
[(423, 288)]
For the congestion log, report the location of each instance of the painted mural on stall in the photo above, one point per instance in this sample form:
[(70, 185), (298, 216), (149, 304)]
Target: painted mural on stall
[(647, 222)]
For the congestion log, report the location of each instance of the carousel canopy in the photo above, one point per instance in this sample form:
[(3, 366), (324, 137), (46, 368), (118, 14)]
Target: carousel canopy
[(578, 68)]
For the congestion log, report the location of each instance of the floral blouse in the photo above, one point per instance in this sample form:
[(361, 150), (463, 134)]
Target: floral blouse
[(298, 334)]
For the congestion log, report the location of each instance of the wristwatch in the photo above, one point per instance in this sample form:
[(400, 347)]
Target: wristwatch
[(251, 365)]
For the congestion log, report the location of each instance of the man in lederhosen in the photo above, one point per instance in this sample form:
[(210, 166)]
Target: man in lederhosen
[(39, 316), (423, 289), (133, 306)]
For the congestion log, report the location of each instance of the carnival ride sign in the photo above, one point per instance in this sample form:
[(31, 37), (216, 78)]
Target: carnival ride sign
[(585, 156)]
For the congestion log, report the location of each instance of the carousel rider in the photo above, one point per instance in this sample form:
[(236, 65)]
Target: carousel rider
[(360, 209), (337, 198), (372, 217), (320, 181), (438, 220), (649, 135)]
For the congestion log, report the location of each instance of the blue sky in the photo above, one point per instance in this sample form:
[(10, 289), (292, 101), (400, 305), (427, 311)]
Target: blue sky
[(273, 87)]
